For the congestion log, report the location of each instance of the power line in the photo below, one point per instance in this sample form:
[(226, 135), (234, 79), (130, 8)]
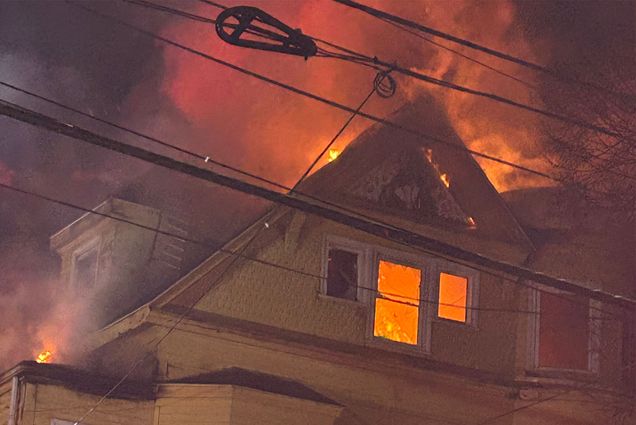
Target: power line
[(361, 59), (208, 159), (523, 62), (449, 85), (412, 301), (458, 53), (317, 98), (217, 247), (398, 235)]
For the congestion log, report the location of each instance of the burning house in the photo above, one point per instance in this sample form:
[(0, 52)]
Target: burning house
[(319, 323)]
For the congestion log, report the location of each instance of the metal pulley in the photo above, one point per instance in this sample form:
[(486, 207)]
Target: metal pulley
[(247, 26)]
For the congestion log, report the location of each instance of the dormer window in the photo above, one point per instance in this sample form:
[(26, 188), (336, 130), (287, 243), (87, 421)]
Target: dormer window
[(405, 293)]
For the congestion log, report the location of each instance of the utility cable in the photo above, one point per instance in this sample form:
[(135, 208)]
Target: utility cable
[(317, 98), (207, 159), (411, 301), (361, 59), (402, 236), (373, 63), (492, 96), (384, 16)]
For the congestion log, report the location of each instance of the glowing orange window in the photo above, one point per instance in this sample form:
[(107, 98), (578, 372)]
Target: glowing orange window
[(397, 303), (453, 295)]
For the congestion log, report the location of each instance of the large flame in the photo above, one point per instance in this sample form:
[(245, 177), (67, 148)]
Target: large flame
[(44, 357)]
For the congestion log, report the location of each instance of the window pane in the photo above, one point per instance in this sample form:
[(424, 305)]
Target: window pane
[(342, 274), (453, 292), (563, 331), (397, 303)]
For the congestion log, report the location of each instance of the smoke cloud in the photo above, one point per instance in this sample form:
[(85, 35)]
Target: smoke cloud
[(61, 52)]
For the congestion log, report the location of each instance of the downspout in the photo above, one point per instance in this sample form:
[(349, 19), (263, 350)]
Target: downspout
[(13, 407)]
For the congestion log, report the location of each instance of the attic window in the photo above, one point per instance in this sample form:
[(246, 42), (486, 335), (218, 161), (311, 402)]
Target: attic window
[(453, 297), (342, 274), (397, 303)]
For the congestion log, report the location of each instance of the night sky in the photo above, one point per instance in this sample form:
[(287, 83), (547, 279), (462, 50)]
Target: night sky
[(64, 53)]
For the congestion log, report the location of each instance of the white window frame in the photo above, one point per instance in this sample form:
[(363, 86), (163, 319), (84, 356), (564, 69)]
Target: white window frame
[(362, 250), (594, 337), (92, 245), (369, 256), (472, 294)]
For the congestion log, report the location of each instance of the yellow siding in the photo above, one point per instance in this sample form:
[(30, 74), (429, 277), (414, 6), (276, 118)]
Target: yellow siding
[(44, 402), (287, 300)]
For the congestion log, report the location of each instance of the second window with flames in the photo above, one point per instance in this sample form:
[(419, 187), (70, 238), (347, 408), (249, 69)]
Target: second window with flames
[(405, 294)]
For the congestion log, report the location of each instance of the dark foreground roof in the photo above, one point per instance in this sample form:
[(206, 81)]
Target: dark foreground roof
[(258, 381), (79, 380)]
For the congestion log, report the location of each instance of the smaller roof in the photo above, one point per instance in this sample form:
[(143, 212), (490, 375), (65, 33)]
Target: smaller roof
[(257, 381), (79, 380)]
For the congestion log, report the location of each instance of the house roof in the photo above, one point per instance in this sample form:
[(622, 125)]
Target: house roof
[(404, 159), (397, 176), (79, 380)]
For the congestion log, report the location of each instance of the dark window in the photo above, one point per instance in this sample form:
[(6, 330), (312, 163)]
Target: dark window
[(564, 332), (342, 274), (86, 269)]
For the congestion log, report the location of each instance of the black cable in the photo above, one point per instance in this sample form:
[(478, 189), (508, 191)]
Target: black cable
[(384, 16), (367, 61), (487, 95), (315, 97), (412, 301), (458, 53), (402, 236)]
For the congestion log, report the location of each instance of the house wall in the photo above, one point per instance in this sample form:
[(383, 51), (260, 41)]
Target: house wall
[(179, 404), (372, 391), (287, 300), (5, 401), (43, 402)]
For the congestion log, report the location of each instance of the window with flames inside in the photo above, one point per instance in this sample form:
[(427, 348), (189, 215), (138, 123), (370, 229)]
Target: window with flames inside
[(405, 296)]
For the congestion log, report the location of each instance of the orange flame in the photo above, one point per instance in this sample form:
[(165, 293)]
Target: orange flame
[(443, 177), (333, 154), (44, 357)]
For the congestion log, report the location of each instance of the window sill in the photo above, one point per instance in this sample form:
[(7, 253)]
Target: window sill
[(398, 347), (561, 376), (354, 303), (462, 325)]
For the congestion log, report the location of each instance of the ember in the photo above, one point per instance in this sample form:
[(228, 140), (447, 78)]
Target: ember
[(44, 357), (333, 154)]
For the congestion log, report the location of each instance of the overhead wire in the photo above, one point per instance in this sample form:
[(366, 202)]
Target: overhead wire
[(206, 159), (124, 378), (492, 96), (377, 65), (155, 229), (395, 234), (315, 97), (385, 16)]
